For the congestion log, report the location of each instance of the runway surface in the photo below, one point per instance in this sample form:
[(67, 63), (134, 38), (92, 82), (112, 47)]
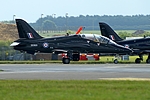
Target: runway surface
[(74, 71)]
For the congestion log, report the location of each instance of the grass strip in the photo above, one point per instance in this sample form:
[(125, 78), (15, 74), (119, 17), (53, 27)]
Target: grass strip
[(1, 70), (74, 90), (60, 62), (103, 60)]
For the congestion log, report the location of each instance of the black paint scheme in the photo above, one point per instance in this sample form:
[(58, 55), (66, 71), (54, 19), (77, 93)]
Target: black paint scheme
[(31, 42), (139, 46)]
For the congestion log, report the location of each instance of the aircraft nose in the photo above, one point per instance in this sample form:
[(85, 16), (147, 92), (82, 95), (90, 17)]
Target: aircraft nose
[(122, 49), (14, 44)]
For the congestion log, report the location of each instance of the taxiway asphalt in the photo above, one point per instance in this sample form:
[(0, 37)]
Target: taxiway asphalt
[(73, 71)]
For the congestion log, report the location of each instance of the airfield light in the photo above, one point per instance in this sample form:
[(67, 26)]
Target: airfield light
[(14, 18), (66, 21), (41, 22)]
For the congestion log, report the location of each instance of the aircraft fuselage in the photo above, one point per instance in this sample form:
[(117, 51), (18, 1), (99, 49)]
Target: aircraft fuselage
[(74, 42)]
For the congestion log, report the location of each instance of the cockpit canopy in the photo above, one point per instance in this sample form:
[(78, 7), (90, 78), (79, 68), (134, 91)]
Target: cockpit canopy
[(97, 38)]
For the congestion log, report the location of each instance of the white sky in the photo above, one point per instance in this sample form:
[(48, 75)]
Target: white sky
[(31, 10)]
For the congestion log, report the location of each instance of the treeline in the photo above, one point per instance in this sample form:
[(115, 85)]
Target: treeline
[(117, 22)]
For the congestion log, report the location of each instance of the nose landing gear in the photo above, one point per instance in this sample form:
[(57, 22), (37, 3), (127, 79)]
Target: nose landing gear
[(115, 61)]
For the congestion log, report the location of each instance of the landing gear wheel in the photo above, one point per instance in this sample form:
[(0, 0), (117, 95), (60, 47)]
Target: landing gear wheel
[(137, 60), (115, 61), (65, 60), (148, 61)]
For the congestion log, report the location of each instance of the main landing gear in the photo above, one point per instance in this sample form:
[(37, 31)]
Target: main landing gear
[(66, 60), (148, 59), (138, 60), (71, 56)]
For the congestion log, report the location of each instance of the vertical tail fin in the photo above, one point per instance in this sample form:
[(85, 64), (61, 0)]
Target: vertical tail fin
[(26, 31), (107, 31)]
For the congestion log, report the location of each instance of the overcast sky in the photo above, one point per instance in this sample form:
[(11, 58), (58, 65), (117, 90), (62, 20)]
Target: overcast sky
[(31, 10)]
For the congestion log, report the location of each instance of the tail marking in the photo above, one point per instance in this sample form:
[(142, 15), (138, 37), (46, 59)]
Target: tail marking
[(30, 35), (112, 37)]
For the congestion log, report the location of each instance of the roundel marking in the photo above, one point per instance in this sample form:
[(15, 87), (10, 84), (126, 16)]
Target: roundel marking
[(45, 45), (127, 46)]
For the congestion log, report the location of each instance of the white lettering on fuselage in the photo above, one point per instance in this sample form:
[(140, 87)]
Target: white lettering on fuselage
[(51, 47), (34, 45)]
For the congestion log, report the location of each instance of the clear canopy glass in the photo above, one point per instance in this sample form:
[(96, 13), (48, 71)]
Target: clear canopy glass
[(98, 38)]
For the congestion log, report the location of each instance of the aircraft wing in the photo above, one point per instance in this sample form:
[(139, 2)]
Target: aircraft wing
[(57, 51), (138, 51), (146, 51)]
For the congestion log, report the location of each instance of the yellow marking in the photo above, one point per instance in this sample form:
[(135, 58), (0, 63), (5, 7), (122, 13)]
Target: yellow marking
[(125, 79)]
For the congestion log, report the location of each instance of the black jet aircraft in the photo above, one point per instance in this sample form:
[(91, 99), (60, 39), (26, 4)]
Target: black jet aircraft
[(139, 46), (31, 42)]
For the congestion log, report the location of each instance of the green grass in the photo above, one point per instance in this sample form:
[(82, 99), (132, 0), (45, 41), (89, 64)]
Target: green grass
[(131, 59), (103, 59), (1, 70), (128, 31), (74, 90)]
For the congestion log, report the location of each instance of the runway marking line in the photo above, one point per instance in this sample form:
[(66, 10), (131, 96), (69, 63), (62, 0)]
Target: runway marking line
[(125, 79)]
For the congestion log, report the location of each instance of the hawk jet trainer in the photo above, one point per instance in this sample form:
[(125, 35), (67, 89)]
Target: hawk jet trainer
[(139, 46), (31, 42)]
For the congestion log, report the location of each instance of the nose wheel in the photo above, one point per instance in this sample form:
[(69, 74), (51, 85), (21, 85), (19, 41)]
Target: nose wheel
[(115, 61)]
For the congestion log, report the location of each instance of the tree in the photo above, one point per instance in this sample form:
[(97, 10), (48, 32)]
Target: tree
[(48, 25), (123, 35), (117, 22)]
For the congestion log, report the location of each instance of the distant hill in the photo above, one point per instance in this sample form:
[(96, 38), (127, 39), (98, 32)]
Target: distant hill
[(8, 32)]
